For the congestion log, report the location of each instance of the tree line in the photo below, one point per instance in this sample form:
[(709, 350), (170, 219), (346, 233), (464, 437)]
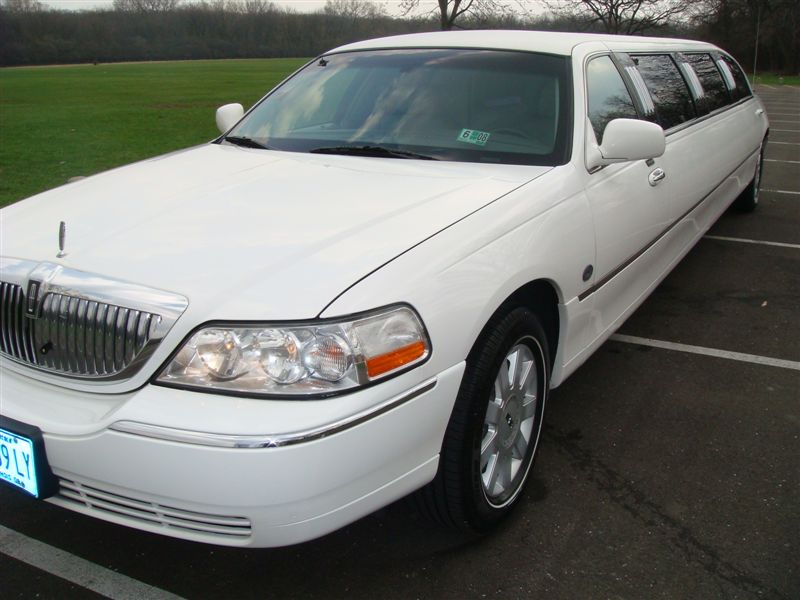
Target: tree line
[(140, 30)]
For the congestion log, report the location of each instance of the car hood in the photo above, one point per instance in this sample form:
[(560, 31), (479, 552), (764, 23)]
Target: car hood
[(251, 234)]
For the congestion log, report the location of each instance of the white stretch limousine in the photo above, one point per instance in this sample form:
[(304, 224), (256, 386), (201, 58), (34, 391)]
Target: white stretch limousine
[(366, 287)]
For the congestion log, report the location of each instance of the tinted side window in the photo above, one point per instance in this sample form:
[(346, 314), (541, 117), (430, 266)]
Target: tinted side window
[(608, 97), (742, 90), (673, 102), (715, 93)]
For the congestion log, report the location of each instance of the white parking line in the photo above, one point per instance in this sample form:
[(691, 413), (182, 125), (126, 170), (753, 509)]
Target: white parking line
[(787, 130), (784, 121), (782, 192), (783, 114), (76, 570), (748, 358), (747, 241), (794, 162), (769, 143)]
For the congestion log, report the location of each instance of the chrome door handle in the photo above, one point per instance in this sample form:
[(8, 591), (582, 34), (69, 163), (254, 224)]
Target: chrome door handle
[(759, 112), (656, 175)]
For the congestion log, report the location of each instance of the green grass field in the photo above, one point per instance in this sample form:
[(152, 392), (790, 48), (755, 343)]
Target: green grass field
[(61, 122), (772, 79)]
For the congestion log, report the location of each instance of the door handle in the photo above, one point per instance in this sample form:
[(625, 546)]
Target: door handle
[(759, 112), (656, 175)]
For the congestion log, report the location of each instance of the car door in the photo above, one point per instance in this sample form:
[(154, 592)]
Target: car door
[(627, 199)]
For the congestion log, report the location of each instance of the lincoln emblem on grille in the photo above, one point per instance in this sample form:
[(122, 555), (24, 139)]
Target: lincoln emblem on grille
[(32, 299), (62, 238)]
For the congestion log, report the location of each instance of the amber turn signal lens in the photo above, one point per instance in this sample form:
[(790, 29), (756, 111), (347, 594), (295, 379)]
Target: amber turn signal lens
[(394, 359)]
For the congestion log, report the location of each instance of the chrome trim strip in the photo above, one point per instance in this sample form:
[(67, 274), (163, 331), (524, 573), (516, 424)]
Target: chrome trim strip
[(642, 90), (691, 78), (267, 440), (727, 75)]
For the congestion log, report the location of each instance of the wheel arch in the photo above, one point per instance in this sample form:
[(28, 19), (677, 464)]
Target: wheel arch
[(541, 296)]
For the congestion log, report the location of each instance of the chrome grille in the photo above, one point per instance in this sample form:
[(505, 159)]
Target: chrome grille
[(79, 324), (15, 330), (74, 336), (85, 337)]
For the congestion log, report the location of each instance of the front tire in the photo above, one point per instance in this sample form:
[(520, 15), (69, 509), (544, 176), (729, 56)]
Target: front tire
[(493, 434)]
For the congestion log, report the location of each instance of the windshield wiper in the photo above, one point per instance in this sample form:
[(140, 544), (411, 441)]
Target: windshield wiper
[(378, 151), (246, 142)]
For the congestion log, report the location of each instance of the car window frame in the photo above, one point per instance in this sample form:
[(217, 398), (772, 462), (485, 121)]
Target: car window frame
[(625, 81)]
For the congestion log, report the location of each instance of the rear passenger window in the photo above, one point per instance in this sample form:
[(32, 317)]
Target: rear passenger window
[(715, 94), (608, 97), (738, 87), (670, 95)]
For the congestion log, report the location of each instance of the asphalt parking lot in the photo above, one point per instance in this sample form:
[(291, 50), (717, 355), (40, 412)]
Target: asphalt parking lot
[(664, 472)]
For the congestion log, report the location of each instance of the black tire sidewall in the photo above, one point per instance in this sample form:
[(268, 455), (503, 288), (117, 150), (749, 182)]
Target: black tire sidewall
[(748, 199), (520, 325)]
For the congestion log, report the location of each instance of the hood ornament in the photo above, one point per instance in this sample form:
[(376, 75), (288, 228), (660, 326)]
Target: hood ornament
[(62, 236)]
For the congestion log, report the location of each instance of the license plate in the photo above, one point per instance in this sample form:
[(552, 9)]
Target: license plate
[(18, 462), (23, 459)]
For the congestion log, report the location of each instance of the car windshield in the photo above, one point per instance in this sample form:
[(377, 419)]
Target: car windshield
[(461, 105)]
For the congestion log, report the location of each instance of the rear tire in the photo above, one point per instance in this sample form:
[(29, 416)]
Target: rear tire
[(748, 199), (493, 434)]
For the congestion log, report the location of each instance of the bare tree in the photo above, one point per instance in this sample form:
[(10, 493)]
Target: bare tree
[(622, 16), (22, 6), (451, 10), (252, 7), (766, 31), (355, 9), (145, 5)]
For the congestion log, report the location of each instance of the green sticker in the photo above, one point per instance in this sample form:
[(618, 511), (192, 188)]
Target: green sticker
[(473, 136)]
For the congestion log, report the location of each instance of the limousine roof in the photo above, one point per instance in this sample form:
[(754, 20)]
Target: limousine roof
[(548, 42)]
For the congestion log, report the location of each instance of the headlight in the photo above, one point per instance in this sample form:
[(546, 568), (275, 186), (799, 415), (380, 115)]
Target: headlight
[(318, 358)]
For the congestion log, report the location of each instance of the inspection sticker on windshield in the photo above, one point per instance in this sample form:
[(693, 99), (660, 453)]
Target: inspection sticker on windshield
[(473, 136)]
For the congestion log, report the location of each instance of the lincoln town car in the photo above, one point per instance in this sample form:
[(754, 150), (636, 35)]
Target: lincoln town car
[(363, 289)]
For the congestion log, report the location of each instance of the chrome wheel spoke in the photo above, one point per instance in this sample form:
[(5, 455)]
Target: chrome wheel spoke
[(502, 384), (525, 373), (504, 479), (525, 429), (512, 364), (494, 412), (488, 447), (529, 408), (492, 473), (520, 446)]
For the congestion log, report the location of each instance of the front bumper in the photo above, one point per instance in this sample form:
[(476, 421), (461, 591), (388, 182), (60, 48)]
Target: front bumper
[(345, 457)]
